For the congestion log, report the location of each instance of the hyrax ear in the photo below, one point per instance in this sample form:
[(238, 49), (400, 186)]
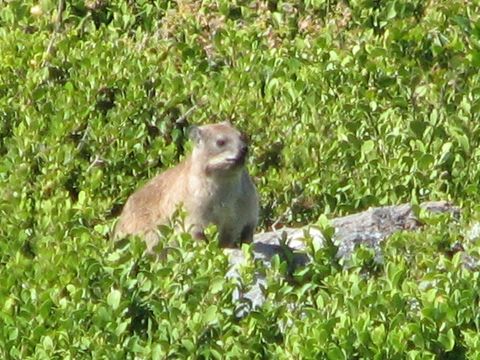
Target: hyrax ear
[(195, 133)]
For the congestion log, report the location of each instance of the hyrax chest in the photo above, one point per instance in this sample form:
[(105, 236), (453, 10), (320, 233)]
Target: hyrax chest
[(216, 203)]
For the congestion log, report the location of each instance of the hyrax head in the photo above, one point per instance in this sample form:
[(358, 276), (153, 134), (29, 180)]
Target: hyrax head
[(220, 147)]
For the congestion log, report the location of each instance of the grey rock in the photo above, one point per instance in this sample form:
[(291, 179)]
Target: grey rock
[(367, 228)]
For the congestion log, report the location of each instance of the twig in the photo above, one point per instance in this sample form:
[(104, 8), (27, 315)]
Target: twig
[(277, 221), (97, 161), (58, 25), (84, 137), (184, 116)]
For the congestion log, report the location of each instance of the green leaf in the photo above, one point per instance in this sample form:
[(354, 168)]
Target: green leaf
[(392, 13), (217, 285), (464, 142), (81, 198), (189, 345), (113, 298), (368, 146), (122, 327), (395, 274), (425, 162), (418, 127), (157, 352), (210, 315), (378, 335), (335, 353), (447, 340), (47, 343)]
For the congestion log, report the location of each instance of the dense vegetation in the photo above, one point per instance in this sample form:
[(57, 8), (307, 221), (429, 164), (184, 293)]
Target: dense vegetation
[(348, 104)]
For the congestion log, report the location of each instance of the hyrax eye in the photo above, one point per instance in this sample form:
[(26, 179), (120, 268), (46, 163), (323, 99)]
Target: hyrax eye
[(221, 142)]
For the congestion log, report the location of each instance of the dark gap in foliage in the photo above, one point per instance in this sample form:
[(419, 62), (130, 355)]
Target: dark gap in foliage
[(59, 75), (115, 210), (142, 319), (77, 134), (71, 184), (263, 84), (272, 156), (175, 126), (180, 138), (6, 129), (209, 335), (31, 219), (419, 10), (105, 98), (150, 118), (217, 65), (37, 99), (152, 130), (96, 280), (28, 249), (454, 249), (302, 208), (85, 153), (30, 29), (79, 9), (234, 12), (268, 213), (129, 166), (101, 12), (144, 20), (272, 5), (150, 87)]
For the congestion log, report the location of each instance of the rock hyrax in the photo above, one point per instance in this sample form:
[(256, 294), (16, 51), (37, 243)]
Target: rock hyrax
[(211, 184)]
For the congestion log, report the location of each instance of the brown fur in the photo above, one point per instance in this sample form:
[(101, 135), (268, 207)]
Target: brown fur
[(212, 184)]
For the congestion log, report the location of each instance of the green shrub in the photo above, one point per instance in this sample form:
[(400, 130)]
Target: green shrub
[(347, 106)]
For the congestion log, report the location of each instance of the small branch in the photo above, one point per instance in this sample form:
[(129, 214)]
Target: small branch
[(96, 162), (277, 221), (84, 138), (184, 116), (58, 25)]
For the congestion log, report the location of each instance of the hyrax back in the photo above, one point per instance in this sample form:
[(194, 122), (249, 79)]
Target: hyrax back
[(212, 184)]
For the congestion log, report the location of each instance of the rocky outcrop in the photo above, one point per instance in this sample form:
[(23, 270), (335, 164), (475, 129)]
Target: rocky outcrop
[(368, 228)]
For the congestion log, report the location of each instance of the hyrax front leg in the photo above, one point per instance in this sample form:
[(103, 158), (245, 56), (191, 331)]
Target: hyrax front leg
[(234, 237), (227, 237), (246, 235)]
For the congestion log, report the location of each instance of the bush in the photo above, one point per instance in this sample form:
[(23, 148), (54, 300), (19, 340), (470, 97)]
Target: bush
[(348, 105)]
